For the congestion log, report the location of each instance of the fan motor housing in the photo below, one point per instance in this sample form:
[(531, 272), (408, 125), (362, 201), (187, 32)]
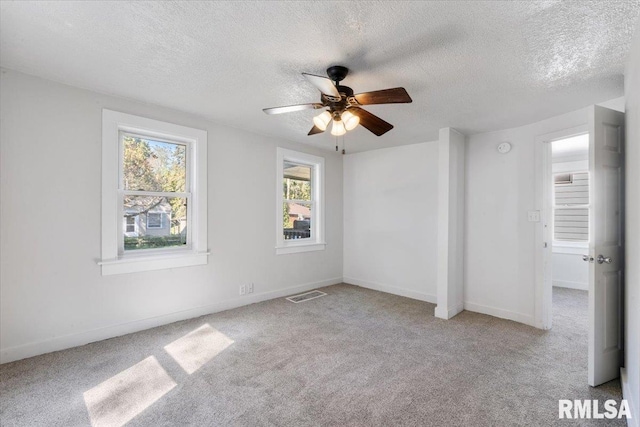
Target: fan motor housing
[(337, 73), (346, 93), (346, 90)]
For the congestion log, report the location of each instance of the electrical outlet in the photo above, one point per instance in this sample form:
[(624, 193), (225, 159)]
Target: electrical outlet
[(243, 290), (250, 288), (533, 216)]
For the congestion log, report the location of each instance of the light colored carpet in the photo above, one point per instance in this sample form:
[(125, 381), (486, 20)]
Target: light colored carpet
[(354, 357)]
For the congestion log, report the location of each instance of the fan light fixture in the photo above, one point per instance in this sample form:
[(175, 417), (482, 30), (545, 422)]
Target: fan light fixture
[(341, 124), (350, 120), (322, 121), (345, 108), (338, 128)]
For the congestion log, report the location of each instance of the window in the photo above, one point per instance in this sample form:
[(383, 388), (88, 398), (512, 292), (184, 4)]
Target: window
[(130, 224), (155, 185), (571, 207), (299, 202), (154, 220), (154, 177)]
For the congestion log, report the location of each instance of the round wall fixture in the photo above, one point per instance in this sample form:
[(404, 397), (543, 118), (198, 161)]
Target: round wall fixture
[(504, 148)]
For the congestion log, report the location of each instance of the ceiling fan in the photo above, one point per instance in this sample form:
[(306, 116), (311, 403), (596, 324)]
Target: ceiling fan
[(344, 108)]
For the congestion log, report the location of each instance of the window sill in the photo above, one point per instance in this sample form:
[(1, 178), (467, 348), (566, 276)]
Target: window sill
[(139, 263), (300, 247)]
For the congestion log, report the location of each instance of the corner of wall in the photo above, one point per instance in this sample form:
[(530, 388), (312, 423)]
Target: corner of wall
[(630, 375)]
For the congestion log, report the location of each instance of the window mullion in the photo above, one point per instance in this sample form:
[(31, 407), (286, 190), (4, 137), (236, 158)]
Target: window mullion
[(300, 202), (154, 193)]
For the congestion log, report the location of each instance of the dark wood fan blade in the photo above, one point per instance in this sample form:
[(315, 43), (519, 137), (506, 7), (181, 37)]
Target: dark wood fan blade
[(323, 84), (290, 108), (396, 95), (372, 122), (315, 130)]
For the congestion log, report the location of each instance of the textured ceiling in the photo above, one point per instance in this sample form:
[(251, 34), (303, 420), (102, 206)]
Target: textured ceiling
[(475, 66)]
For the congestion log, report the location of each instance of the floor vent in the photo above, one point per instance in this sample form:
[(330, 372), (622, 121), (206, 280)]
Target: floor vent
[(306, 296)]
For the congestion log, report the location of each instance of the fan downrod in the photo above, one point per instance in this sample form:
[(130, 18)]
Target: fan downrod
[(337, 73)]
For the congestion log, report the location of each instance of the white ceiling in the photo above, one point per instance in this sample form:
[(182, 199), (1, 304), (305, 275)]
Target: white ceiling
[(475, 66)]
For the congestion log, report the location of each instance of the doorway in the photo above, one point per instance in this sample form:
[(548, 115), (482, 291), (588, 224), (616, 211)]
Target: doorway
[(569, 222), (562, 227), (559, 257)]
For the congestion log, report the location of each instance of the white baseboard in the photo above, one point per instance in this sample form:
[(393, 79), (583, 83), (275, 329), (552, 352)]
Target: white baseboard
[(571, 285), (74, 340), (444, 313), (501, 313), (634, 405), (391, 289)]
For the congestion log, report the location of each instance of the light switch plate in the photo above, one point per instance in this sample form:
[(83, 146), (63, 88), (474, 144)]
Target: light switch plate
[(533, 216)]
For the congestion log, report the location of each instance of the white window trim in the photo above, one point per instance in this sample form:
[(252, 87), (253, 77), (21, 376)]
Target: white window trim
[(112, 262), (317, 241)]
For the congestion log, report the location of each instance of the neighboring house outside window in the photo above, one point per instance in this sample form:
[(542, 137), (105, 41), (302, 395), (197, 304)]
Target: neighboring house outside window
[(159, 194), (299, 202), (298, 213)]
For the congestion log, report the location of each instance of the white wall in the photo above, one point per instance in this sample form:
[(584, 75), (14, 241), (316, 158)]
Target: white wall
[(450, 274), (631, 381), (390, 219), (52, 294), (571, 166), (568, 268)]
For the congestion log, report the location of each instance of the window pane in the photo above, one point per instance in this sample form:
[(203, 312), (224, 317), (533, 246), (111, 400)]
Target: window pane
[(296, 221), (150, 165), (296, 183), (154, 222)]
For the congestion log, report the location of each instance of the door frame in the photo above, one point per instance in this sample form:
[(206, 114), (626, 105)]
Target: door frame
[(544, 237)]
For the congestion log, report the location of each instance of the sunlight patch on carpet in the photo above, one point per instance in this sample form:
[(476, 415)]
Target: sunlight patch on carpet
[(120, 398), (198, 347)]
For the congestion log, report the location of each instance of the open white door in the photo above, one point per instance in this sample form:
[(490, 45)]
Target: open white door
[(606, 243)]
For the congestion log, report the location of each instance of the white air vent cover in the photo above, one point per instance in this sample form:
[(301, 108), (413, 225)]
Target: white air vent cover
[(563, 178), (306, 296)]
